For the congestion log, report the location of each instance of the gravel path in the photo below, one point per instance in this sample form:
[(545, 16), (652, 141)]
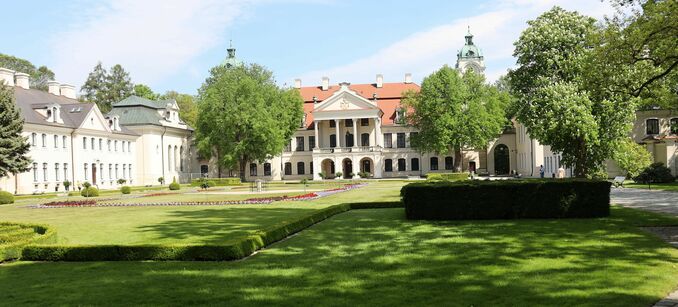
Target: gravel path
[(651, 200)]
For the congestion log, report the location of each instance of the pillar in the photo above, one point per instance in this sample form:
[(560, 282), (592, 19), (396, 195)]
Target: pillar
[(338, 138), (355, 132), (317, 140), (377, 129)]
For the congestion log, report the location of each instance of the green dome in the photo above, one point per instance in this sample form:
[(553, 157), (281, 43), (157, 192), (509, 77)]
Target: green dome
[(231, 60), (470, 50)]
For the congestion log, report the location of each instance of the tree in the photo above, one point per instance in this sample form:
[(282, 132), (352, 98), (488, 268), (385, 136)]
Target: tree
[(94, 89), (38, 77), (145, 91), (454, 111), (187, 108), (631, 157), (105, 88), (559, 101), (244, 116), (13, 146)]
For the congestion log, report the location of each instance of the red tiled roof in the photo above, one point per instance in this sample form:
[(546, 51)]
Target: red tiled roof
[(388, 97)]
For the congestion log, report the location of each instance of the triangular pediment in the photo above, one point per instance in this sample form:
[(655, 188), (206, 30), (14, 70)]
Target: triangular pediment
[(345, 100), (94, 120)]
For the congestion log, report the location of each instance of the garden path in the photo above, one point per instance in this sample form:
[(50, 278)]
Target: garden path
[(650, 200)]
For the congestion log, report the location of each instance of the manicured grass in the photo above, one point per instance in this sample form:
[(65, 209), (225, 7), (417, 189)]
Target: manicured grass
[(376, 257), (655, 186), (189, 224)]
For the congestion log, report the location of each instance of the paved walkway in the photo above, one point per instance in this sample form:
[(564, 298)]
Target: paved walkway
[(651, 200)]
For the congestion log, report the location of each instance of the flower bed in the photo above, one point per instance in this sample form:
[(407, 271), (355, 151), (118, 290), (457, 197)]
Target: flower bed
[(249, 201)]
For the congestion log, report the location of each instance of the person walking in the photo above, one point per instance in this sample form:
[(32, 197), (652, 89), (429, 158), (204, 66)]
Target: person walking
[(541, 171)]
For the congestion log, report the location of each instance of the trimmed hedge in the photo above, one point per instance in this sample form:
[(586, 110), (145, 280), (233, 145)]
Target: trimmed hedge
[(6, 198), (11, 247), (510, 199), (447, 176), (217, 181), (174, 186), (125, 190), (89, 192)]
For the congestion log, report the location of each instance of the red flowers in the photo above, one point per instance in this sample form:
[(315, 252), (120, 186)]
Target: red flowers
[(71, 203)]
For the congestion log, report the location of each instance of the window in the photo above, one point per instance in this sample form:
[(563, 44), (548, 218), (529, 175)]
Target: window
[(124, 171), (302, 124), (401, 165), (35, 172), (92, 147), (44, 172), (115, 146), (348, 123), (267, 169), (33, 139), (129, 168), (101, 172), (44, 140), (85, 168), (56, 171), (349, 140), (181, 159), (122, 146), (84, 142), (101, 144), (56, 142), (401, 140), (388, 142), (310, 167), (674, 125), (300, 143), (253, 169), (333, 124), (365, 139), (413, 135), (65, 171), (300, 168), (288, 168), (129, 146), (110, 171), (109, 145), (116, 172), (434, 164), (333, 140), (399, 116), (414, 163), (388, 165), (64, 140), (311, 142), (288, 146), (449, 163), (652, 126), (364, 122)]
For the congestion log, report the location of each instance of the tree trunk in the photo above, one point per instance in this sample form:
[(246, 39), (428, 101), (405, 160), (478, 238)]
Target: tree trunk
[(242, 163), (457, 159)]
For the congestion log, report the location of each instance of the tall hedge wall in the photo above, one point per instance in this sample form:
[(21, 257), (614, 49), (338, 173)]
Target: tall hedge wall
[(509, 199), (217, 181)]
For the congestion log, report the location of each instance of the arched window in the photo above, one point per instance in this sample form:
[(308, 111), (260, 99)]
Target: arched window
[(35, 172), (300, 168), (44, 140), (115, 145), (92, 143), (253, 169), (388, 165), (267, 169), (176, 156), (288, 168), (652, 126), (84, 142), (109, 145), (181, 157), (401, 165), (34, 137), (449, 163), (169, 158), (414, 164), (56, 141), (101, 144), (64, 140), (434, 164)]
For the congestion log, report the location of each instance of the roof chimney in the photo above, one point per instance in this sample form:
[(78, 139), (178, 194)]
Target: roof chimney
[(326, 83), (53, 88), (408, 78), (67, 91), (22, 80), (297, 83), (380, 81), (6, 76)]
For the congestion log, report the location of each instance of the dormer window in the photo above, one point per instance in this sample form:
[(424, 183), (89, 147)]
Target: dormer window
[(399, 116), (652, 126), (302, 124)]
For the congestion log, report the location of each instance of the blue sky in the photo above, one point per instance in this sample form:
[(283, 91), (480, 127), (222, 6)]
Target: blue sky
[(171, 44)]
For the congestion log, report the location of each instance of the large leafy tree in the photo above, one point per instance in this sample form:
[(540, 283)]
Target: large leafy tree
[(143, 90), (38, 76), (558, 100), (105, 88), (454, 111), (244, 116), (13, 146), (188, 111)]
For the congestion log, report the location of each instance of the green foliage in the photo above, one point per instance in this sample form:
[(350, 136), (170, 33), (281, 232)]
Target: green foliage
[(338, 174), (364, 175), (188, 111), (557, 100), (631, 157), (121, 181), (174, 186), (105, 88), (322, 175), (86, 184), (14, 236), (38, 77), (216, 182), (510, 199), (244, 116), (89, 192), (161, 180), (446, 177), (125, 190), (454, 112), (6, 198), (655, 173), (14, 147), (67, 184), (144, 91)]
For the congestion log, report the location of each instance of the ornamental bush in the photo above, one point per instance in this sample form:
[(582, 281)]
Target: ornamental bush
[(217, 182), (174, 186), (89, 192), (447, 176), (655, 173), (15, 236), (125, 190), (510, 199), (6, 198)]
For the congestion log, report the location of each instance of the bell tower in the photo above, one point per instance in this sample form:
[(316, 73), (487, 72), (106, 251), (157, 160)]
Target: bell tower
[(470, 56)]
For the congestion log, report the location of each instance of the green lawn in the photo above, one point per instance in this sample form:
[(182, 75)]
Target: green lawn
[(376, 257), (185, 224), (655, 186)]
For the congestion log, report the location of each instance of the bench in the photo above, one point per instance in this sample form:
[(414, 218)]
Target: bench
[(618, 181)]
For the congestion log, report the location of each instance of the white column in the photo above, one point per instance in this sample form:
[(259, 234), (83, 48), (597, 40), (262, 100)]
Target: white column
[(317, 140), (377, 128), (338, 138), (355, 132)]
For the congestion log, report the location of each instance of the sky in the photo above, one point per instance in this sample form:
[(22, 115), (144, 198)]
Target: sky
[(172, 44)]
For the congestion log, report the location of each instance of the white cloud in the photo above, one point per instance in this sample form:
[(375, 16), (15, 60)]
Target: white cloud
[(151, 39), (421, 53)]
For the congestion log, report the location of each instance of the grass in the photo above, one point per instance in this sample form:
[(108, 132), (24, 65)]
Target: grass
[(376, 257), (189, 224), (673, 186)]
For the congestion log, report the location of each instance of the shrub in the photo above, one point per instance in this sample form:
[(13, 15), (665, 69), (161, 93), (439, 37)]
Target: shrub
[(174, 186), (447, 176), (364, 175), (86, 184), (322, 175), (90, 192), (655, 173), (338, 174), (126, 190), (161, 180), (67, 184), (39, 234), (216, 182), (509, 199), (121, 181), (6, 198)]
